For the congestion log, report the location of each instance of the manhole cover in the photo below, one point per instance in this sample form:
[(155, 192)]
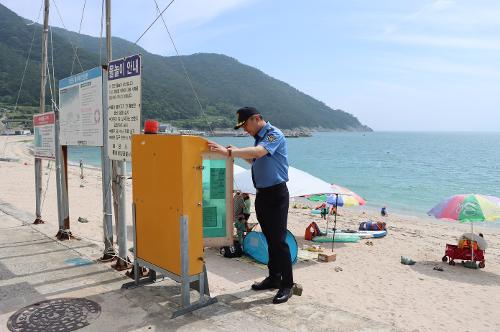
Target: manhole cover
[(67, 314)]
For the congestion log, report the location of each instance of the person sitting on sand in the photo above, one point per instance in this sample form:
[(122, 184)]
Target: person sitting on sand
[(246, 209), (239, 219), (477, 241)]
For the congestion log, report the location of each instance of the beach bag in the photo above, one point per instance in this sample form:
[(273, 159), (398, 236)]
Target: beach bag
[(311, 231), (232, 251)]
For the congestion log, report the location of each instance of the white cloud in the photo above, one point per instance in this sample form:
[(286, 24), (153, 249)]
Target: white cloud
[(433, 65), (197, 12), (440, 41), (133, 16), (420, 14)]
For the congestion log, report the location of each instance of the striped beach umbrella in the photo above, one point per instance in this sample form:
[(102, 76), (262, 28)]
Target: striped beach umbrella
[(346, 197), (468, 208), (340, 196)]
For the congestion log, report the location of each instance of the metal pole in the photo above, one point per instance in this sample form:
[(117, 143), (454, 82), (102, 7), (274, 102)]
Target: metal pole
[(64, 185), (184, 262), (107, 220), (43, 81), (472, 242), (122, 221), (335, 219), (136, 262), (59, 182), (118, 183)]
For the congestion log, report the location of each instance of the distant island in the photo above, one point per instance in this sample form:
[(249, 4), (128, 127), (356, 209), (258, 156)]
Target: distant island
[(222, 83)]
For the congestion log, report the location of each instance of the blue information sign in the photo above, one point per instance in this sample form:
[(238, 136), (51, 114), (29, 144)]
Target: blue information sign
[(126, 67)]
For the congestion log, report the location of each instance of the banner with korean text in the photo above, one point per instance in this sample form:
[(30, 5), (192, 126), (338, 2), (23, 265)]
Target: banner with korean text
[(124, 105), (80, 108), (44, 129)]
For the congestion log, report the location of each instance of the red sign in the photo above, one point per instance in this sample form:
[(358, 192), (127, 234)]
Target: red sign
[(43, 119)]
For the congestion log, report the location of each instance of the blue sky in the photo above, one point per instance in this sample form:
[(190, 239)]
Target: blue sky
[(396, 65)]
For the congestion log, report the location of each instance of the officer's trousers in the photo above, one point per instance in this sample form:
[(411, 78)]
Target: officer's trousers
[(271, 208)]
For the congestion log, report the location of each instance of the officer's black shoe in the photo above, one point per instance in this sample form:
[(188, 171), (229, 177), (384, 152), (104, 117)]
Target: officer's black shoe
[(268, 283), (282, 296)]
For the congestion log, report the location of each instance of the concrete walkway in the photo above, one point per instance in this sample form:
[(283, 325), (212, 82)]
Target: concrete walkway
[(35, 267)]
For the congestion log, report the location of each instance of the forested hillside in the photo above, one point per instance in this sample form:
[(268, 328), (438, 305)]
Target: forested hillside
[(223, 84)]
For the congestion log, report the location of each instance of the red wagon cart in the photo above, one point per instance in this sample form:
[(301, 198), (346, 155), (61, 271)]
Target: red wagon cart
[(453, 252)]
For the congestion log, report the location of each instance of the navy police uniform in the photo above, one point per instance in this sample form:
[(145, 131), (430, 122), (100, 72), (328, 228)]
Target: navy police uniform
[(269, 175)]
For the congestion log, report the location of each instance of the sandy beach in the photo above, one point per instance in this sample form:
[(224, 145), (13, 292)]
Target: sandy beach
[(371, 283)]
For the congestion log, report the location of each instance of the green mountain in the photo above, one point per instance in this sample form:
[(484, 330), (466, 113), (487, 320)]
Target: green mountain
[(222, 83)]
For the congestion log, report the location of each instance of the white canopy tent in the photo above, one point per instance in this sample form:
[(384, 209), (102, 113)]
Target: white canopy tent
[(238, 169), (300, 183)]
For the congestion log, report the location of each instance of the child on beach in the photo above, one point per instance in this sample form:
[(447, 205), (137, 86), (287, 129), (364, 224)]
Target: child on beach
[(383, 211)]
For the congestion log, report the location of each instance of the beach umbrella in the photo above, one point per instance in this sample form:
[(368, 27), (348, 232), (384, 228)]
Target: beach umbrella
[(346, 197), (300, 183), (341, 197), (468, 208), (350, 198)]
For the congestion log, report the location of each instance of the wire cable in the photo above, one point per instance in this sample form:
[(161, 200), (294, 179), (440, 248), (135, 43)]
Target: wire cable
[(156, 19), (100, 33), (24, 71), (79, 31), (28, 58), (52, 60), (184, 68), (49, 167), (69, 38)]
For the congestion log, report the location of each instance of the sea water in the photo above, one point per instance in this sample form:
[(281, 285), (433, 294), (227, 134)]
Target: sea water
[(407, 172)]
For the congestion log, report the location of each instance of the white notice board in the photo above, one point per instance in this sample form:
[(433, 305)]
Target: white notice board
[(80, 108), (124, 105), (44, 129)]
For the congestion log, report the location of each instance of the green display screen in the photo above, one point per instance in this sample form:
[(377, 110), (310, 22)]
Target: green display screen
[(214, 198)]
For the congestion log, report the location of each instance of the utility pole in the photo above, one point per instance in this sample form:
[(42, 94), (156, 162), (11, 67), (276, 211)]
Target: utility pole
[(118, 183), (43, 81), (109, 251)]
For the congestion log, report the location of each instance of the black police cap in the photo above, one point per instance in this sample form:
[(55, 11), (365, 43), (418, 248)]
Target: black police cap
[(244, 114)]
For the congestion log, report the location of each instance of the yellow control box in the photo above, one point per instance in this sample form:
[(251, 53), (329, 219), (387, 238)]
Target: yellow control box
[(168, 182)]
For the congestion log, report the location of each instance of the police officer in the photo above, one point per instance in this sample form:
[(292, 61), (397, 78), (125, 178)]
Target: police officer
[(269, 159)]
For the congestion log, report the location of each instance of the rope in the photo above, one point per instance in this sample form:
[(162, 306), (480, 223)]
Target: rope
[(184, 68), (69, 39), (79, 31)]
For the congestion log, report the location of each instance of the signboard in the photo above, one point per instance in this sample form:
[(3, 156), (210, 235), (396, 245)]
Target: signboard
[(215, 209), (124, 105), (44, 128), (80, 108)]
